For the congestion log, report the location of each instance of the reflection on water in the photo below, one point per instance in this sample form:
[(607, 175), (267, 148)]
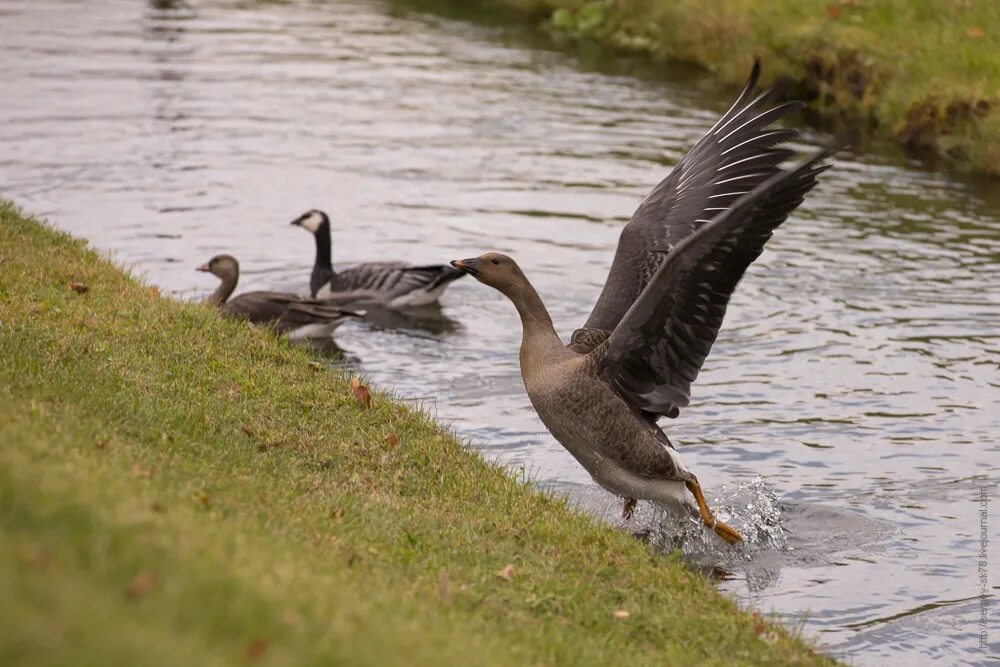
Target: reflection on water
[(857, 370)]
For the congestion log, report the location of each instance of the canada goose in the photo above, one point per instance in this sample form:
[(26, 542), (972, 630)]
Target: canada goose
[(678, 261), (291, 315), (390, 284)]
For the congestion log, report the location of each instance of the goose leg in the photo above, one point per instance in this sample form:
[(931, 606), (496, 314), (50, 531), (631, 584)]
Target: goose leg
[(629, 509), (727, 533)]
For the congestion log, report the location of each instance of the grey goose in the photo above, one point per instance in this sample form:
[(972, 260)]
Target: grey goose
[(289, 314), (391, 284), (678, 261)]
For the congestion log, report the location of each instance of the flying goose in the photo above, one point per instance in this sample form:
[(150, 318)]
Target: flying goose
[(291, 315), (678, 261), (390, 284)]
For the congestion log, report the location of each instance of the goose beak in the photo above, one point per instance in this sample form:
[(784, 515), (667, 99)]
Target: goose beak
[(470, 266), (203, 267), (297, 222)]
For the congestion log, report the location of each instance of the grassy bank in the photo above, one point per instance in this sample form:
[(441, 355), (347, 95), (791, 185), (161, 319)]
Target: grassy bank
[(924, 73), (178, 489)]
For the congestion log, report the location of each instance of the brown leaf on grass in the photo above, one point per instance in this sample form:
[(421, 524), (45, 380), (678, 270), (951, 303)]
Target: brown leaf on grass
[(975, 32), (507, 573), (255, 649), (141, 585), (621, 613), (37, 556), (203, 500), (102, 444), (361, 393), (141, 472), (79, 288), (392, 440), (833, 11)]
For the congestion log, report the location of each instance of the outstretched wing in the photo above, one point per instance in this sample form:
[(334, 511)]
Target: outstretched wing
[(738, 154), (656, 351)]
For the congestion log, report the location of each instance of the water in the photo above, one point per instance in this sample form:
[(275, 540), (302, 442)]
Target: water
[(856, 374)]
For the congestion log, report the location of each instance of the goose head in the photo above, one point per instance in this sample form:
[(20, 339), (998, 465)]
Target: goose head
[(313, 220), (496, 270), (224, 266)]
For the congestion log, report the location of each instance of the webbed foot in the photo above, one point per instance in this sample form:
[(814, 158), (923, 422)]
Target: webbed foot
[(728, 533)]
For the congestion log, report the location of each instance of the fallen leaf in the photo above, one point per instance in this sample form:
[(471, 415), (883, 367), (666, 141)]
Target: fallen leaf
[(79, 288), (203, 499), (361, 393), (37, 555), (392, 440), (833, 11), (256, 648), (140, 472), (102, 444), (507, 572), (975, 32), (141, 585), (621, 613)]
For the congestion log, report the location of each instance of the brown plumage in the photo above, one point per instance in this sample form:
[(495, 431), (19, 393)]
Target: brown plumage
[(288, 314), (678, 261)]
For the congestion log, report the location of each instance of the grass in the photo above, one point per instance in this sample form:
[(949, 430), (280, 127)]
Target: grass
[(924, 73), (179, 489)]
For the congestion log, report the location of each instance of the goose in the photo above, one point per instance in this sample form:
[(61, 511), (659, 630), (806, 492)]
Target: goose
[(678, 261), (290, 315), (392, 284)]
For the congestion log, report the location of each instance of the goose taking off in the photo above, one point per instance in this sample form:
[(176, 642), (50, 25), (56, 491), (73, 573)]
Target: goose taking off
[(390, 284), (678, 261), (290, 315)]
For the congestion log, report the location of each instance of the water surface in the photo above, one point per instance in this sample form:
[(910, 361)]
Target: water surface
[(856, 375)]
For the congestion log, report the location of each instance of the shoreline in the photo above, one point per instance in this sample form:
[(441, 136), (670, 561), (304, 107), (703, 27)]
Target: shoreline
[(942, 105), (181, 489)]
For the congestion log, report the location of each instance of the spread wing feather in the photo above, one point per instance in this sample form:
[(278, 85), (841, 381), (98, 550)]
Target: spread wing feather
[(657, 349), (739, 153)]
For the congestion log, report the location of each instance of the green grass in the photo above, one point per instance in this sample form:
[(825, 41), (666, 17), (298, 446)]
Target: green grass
[(179, 489), (925, 73)]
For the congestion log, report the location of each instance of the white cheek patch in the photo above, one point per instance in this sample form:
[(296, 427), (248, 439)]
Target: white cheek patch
[(312, 222)]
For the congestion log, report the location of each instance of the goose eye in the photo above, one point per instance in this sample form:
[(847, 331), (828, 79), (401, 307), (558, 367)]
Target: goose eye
[(496, 261)]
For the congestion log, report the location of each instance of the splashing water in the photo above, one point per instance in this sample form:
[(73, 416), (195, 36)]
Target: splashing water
[(751, 507)]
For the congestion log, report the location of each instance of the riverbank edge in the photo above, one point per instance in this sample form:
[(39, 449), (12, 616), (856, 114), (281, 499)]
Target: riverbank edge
[(824, 57), (179, 488)]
